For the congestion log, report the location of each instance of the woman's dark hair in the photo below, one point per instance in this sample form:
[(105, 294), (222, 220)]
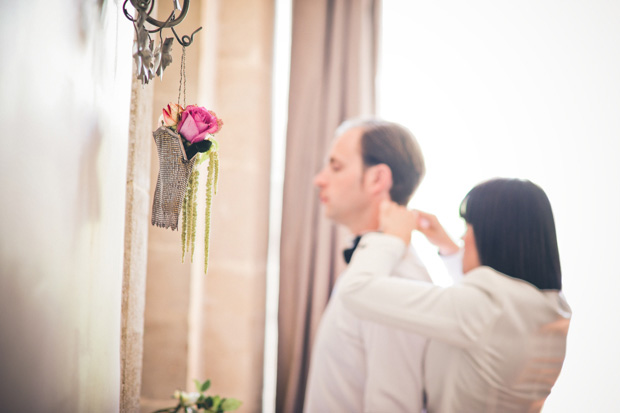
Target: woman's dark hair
[(514, 230)]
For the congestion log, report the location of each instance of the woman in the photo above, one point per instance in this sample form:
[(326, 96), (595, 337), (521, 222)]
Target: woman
[(498, 338)]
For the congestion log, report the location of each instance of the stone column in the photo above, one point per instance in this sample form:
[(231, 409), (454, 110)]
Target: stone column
[(231, 309), (212, 326), (137, 218)]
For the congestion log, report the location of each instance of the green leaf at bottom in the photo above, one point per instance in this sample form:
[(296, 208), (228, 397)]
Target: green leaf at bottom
[(230, 404)]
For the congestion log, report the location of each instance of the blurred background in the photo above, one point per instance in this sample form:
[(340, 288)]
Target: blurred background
[(97, 311), (527, 90)]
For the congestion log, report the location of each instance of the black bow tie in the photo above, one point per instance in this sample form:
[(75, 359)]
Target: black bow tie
[(348, 253)]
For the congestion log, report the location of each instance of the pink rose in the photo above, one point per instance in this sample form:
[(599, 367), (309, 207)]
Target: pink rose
[(196, 122)]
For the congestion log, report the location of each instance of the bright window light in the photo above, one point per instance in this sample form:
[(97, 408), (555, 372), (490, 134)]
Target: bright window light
[(526, 89)]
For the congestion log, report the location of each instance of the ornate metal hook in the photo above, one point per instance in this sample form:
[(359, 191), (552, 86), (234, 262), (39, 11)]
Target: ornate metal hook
[(144, 4), (152, 61), (185, 40)]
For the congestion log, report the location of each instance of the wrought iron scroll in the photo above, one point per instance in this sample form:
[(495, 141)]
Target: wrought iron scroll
[(151, 61)]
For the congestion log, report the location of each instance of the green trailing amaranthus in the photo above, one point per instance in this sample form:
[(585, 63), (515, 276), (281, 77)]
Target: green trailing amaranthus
[(184, 222), (194, 208), (216, 165), (190, 207), (187, 217), (211, 188)]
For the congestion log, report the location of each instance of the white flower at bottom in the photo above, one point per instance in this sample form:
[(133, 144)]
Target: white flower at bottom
[(187, 399)]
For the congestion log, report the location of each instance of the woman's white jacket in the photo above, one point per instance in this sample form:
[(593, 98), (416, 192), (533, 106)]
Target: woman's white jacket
[(497, 343)]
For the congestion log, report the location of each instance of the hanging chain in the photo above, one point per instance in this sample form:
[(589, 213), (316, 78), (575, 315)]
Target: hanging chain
[(182, 80)]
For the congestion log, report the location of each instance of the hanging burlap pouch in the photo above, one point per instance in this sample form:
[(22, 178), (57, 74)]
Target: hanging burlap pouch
[(174, 172)]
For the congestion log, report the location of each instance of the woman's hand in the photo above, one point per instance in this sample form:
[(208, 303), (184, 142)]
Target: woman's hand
[(397, 220), (435, 233)]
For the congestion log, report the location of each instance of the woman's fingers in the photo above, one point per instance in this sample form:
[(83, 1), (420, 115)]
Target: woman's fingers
[(430, 226)]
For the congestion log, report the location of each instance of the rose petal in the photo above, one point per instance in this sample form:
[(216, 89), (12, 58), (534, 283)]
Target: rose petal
[(200, 137), (214, 128), (188, 128), (166, 118), (183, 116)]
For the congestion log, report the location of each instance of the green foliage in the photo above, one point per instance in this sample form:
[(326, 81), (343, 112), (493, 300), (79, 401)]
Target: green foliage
[(202, 387), (202, 403), (189, 207), (211, 186), (205, 386), (230, 404)]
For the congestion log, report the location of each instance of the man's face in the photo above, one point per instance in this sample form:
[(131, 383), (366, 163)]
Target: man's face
[(340, 182)]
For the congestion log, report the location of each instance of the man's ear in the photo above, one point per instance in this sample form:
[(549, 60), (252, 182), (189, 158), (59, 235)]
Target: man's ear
[(379, 178)]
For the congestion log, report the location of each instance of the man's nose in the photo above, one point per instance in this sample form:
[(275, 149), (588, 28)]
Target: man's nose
[(319, 179)]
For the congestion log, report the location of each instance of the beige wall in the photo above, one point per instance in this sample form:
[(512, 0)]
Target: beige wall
[(64, 109), (212, 326), (233, 304)]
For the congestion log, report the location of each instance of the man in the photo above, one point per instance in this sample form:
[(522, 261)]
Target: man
[(360, 366)]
